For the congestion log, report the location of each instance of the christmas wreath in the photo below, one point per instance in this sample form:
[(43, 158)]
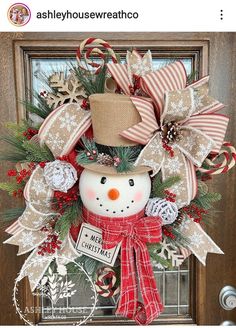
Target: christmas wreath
[(127, 150)]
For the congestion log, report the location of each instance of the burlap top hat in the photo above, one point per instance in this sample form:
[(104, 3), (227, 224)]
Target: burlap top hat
[(111, 114)]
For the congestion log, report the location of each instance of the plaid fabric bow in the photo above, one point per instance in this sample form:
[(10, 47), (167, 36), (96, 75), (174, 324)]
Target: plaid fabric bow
[(133, 232)]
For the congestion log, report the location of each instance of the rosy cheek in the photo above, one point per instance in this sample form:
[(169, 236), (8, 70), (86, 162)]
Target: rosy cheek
[(90, 193), (138, 196)]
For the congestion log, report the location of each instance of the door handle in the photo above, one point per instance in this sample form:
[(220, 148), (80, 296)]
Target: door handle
[(227, 298)]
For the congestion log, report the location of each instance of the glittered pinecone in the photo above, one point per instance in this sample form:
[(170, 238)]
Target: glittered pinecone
[(166, 210), (105, 159), (170, 132)]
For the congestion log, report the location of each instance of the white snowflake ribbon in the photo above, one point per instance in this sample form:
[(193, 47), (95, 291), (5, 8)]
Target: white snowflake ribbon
[(62, 129), (138, 65), (35, 268), (26, 231), (200, 244), (190, 149)]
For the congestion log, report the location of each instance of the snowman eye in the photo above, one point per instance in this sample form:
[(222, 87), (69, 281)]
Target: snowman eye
[(131, 182), (103, 180)]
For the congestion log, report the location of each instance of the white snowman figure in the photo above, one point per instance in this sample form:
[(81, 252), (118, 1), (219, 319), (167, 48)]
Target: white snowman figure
[(103, 190), (115, 198), (114, 195)]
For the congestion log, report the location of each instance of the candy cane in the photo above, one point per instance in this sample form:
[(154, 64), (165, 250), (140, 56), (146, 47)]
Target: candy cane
[(102, 287), (229, 159), (93, 43)]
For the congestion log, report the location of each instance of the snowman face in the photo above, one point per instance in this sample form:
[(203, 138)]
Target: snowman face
[(114, 195)]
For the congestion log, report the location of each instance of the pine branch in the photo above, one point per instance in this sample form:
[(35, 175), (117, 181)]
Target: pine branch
[(192, 77), (36, 153), (179, 240), (90, 147), (206, 200), (127, 156), (159, 187), (90, 265), (92, 83), (10, 187), (11, 214), (153, 252), (41, 109), (70, 216), (15, 151), (17, 130)]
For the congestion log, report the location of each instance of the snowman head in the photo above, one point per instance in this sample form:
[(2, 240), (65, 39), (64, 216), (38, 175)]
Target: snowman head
[(114, 195)]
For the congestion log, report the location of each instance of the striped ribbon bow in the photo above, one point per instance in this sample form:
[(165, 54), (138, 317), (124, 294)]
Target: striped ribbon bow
[(133, 232), (187, 109)]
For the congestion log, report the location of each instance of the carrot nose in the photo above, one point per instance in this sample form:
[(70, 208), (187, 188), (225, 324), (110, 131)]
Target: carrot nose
[(113, 194)]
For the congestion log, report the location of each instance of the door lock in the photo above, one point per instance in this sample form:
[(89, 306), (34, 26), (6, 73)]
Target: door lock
[(227, 298)]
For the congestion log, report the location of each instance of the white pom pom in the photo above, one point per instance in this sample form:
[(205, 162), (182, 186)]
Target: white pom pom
[(60, 175), (167, 211)]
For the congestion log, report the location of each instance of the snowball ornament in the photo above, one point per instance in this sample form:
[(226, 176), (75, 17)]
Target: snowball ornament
[(60, 175), (166, 210)]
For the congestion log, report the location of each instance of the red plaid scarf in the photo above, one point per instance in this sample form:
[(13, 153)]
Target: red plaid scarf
[(133, 232)]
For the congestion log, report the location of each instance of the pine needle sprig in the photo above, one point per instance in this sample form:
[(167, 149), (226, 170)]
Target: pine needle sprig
[(90, 266), (206, 201), (69, 217), (11, 214), (92, 83), (154, 249), (11, 187), (179, 240), (36, 153), (17, 130), (126, 156), (159, 186), (83, 157), (40, 108), (15, 151), (192, 77)]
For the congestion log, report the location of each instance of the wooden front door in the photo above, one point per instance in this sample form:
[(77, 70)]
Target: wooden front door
[(195, 298)]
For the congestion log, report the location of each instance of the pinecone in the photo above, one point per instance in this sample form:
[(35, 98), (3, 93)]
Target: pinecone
[(170, 132), (105, 159)]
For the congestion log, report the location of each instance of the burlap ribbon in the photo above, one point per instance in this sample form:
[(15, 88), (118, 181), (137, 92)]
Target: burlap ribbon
[(201, 129), (134, 232), (60, 132), (200, 244)]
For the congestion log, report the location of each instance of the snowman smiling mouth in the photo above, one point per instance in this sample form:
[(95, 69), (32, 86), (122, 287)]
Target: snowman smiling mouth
[(109, 210)]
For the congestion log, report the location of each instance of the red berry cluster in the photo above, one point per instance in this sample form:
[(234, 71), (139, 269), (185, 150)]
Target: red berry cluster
[(168, 232), (85, 104), (168, 148), (170, 197), (29, 133), (42, 164), (194, 212), (64, 199), (21, 176), (50, 244), (43, 94), (91, 155)]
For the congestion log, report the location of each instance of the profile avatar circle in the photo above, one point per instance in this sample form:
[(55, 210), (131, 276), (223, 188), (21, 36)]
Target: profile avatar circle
[(19, 14)]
